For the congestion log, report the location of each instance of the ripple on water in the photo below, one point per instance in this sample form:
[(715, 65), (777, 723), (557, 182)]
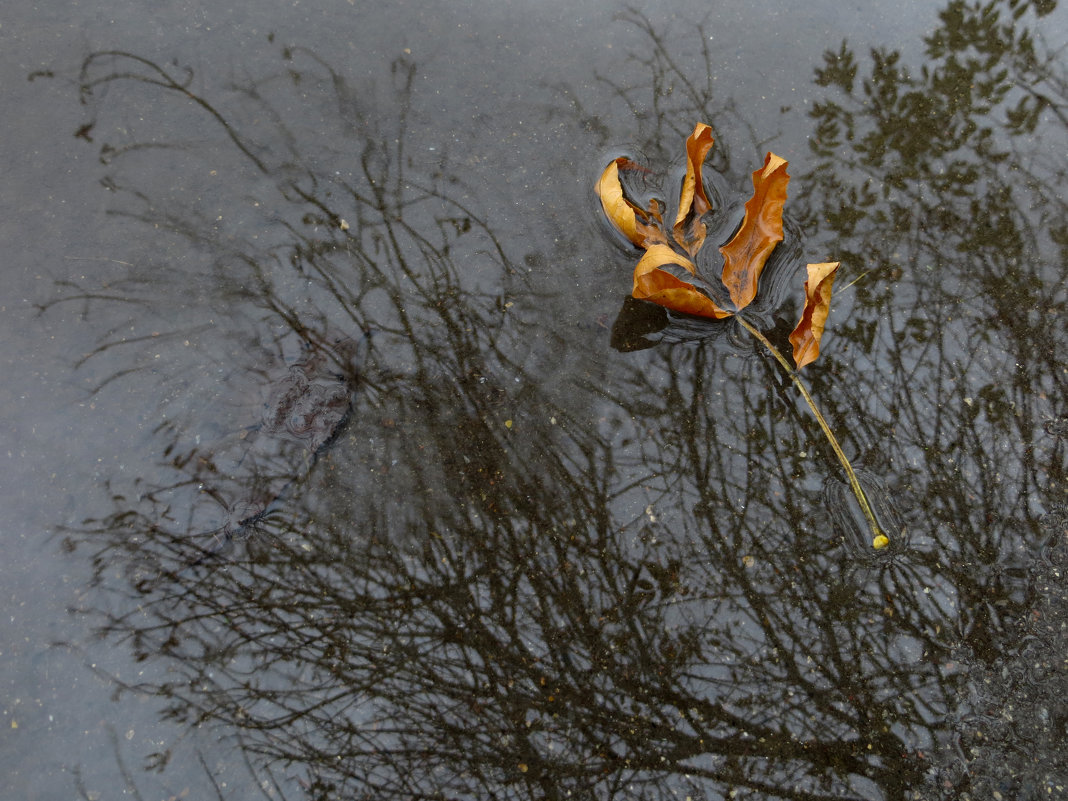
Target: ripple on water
[(849, 521)]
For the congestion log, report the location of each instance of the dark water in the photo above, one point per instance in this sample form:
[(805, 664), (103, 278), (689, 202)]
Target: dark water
[(562, 546)]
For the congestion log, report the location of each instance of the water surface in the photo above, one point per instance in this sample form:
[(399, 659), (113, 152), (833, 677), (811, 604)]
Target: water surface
[(564, 547)]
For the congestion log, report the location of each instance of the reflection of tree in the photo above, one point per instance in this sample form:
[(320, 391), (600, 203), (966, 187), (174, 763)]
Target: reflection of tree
[(959, 220), (480, 592), (946, 184)]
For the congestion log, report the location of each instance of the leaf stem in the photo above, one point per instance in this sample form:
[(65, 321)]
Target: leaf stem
[(879, 539)]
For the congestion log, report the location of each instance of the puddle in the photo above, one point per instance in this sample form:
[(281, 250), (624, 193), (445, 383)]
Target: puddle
[(516, 534)]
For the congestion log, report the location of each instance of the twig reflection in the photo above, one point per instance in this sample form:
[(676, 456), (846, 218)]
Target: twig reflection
[(486, 592)]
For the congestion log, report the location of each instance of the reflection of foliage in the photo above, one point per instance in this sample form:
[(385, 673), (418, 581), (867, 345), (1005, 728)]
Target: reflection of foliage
[(959, 219), (947, 184), (482, 592), (939, 163)]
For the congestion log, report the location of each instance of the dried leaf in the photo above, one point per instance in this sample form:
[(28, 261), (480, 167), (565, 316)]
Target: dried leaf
[(659, 286), (745, 255), (693, 203), (636, 224), (806, 337)]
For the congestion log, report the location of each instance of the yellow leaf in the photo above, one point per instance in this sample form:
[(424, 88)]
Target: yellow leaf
[(806, 337), (636, 224), (659, 286), (693, 202), (745, 255)]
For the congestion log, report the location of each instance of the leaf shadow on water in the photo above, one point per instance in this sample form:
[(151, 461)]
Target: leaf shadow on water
[(483, 592)]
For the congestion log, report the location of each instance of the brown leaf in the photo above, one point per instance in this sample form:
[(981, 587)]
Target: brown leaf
[(693, 203), (659, 286), (806, 337), (635, 223), (745, 255)]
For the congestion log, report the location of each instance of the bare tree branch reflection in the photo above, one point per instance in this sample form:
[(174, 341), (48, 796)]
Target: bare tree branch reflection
[(485, 590)]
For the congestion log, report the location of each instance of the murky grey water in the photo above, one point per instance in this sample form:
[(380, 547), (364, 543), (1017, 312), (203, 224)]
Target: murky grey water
[(561, 547)]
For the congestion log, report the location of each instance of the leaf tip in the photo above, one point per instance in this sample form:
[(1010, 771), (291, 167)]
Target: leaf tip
[(806, 337), (745, 256), (693, 202), (619, 211), (771, 164)]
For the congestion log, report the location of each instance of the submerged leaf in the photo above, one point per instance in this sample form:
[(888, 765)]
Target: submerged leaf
[(659, 286), (806, 337), (761, 230), (693, 203), (636, 224)]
